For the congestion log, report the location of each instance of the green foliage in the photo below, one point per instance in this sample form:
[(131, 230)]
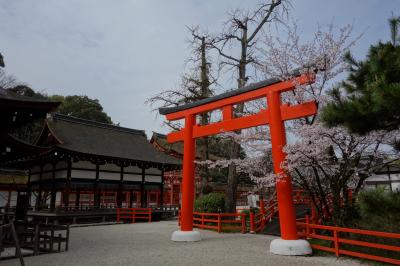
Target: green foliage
[(247, 212), (380, 210), (221, 147), (30, 131), (82, 107), (372, 90), (26, 91), (79, 106), (210, 203), (377, 210)]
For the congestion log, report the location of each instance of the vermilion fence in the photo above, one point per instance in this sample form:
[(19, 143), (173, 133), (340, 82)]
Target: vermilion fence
[(220, 221), (335, 236), (258, 221), (133, 214)]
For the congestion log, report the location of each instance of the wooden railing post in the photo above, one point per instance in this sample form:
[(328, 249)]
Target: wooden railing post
[(252, 230), (133, 215), (219, 223), (307, 226), (336, 241), (202, 220), (149, 215), (118, 215), (243, 217)]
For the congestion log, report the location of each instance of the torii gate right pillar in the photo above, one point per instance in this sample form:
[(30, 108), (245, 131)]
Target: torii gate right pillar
[(289, 244)]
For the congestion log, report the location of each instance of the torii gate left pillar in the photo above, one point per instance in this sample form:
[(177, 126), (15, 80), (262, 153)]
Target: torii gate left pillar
[(274, 115)]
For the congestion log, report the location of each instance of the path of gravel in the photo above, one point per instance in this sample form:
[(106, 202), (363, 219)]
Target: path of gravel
[(149, 244)]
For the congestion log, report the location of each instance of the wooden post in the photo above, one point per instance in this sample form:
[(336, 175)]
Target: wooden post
[(336, 241), (287, 218), (52, 239), (67, 238), (77, 198), (97, 196), (172, 193), (143, 196), (243, 217), (307, 226), (39, 196), (161, 202), (18, 252), (149, 213), (119, 192), (53, 194), (8, 199), (131, 198), (252, 229), (36, 242), (68, 183), (219, 224), (188, 175)]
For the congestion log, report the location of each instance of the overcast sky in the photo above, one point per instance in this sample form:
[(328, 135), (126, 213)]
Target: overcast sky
[(122, 52)]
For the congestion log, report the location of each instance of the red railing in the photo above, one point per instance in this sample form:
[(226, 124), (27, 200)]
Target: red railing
[(258, 221), (309, 230), (134, 213), (220, 221)]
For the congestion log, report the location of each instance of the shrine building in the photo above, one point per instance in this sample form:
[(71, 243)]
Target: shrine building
[(88, 165)]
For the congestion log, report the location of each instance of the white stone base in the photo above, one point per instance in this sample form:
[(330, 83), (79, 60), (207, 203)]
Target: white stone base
[(290, 247), (186, 236)]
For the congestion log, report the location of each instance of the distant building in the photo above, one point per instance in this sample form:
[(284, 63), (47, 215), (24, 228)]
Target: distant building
[(94, 165), (387, 177), (173, 178), (12, 182), (15, 112)]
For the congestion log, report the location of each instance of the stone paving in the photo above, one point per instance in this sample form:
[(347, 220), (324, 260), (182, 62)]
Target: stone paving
[(149, 244)]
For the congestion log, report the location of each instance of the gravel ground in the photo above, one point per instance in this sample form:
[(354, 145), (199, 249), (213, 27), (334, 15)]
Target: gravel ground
[(149, 244)]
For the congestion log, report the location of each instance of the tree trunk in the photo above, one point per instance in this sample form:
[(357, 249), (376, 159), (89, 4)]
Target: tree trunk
[(232, 182), (205, 93)]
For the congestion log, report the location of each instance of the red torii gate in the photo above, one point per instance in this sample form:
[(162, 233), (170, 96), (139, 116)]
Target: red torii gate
[(274, 115)]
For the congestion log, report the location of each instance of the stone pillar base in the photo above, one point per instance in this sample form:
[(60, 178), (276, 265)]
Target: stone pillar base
[(290, 247), (186, 236)]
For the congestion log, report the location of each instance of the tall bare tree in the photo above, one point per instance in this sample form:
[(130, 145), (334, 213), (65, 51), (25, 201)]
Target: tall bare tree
[(196, 85), (6, 81), (237, 49), (1, 61)]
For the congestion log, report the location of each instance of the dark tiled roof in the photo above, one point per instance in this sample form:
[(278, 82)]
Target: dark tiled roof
[(94, 138), (392, 168), (230, 93), (12, 97), (176, 148)]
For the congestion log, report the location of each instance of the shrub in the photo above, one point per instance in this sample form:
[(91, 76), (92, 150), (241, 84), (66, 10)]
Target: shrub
[(380, 210), (247, 212), (210, 203)]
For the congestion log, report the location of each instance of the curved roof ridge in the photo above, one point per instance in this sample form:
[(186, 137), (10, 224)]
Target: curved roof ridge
[(238, 91), (82, 121)]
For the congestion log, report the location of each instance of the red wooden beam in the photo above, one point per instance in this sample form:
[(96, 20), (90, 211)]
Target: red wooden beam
[(244, 97), (261, 118)]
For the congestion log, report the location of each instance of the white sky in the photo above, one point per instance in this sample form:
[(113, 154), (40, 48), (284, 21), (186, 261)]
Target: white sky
[(122, 52)]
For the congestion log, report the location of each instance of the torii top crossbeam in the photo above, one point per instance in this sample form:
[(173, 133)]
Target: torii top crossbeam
[(227, 100), (274, 115)]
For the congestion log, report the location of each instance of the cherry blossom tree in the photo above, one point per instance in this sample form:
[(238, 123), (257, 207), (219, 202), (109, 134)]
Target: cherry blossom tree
[(325, 162)]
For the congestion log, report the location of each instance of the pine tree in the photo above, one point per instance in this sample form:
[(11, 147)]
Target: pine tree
[(372, 90)]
